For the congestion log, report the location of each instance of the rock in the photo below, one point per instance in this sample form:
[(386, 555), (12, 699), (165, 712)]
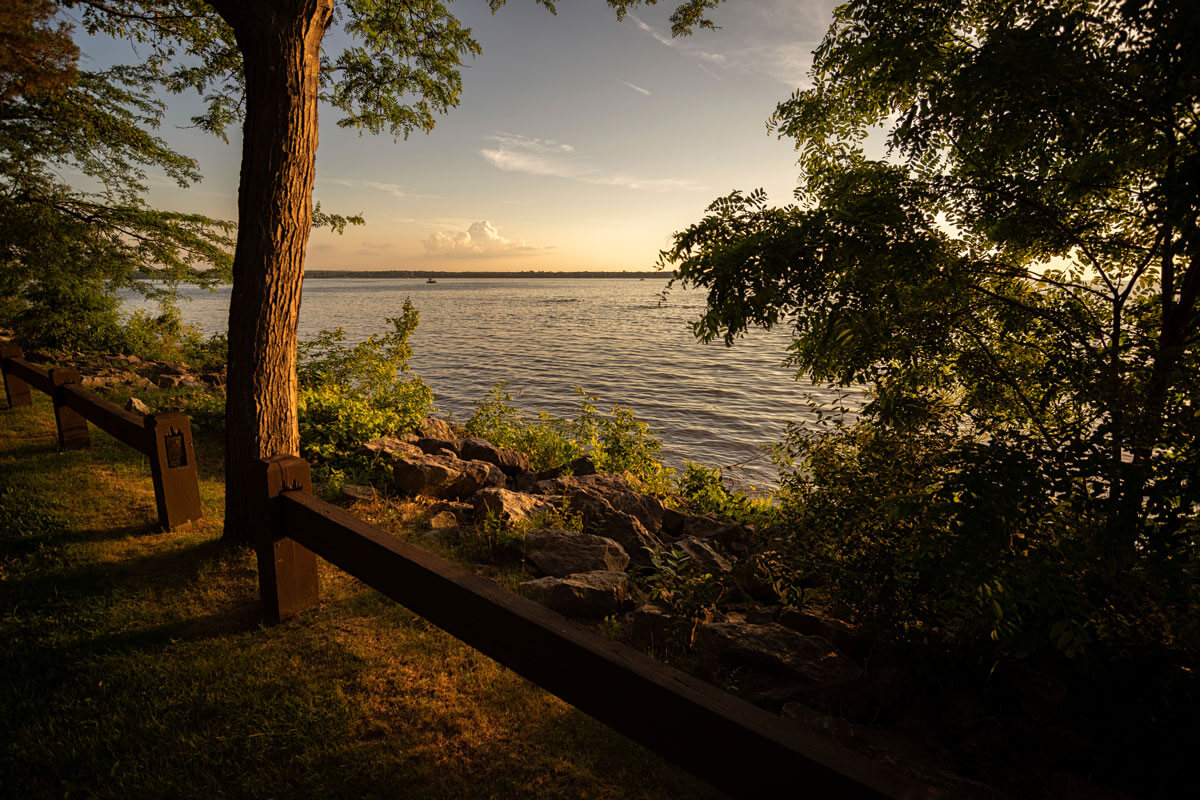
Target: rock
[(828, 681), (132, 359), (168, 381), (136, 406), (435, 428), (91, 382), (511, 507), (462, 512), (442, 476), (443, 519), (673, 521), (582, 465), (354, 491), (388, 446), (813, 621), (650, 624), (496, 478), (591, 595), (705, 527), (627, 531), (434, 445), (513, 463), (561, 553), (191, 382), (598, 496), (703, 556)]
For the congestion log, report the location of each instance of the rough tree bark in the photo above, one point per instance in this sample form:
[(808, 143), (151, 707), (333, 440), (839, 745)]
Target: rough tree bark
[(281, 45)]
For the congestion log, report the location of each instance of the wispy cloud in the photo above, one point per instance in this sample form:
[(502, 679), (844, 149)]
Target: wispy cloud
[(479, 239), (663, 40), (674, 44), (637, 89), (394, 189), (785, 59), (514, 153)]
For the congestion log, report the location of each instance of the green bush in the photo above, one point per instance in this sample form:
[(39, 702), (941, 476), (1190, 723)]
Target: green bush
[(352, 394), (933, 536), (704, 490), (617, 441)]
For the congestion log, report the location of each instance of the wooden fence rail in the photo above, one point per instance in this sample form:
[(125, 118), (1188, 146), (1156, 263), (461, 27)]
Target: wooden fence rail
[(166, 438), (735, 746)]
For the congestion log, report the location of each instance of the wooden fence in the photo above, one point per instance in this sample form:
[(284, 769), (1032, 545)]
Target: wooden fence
[(735, 746), (166, 438)]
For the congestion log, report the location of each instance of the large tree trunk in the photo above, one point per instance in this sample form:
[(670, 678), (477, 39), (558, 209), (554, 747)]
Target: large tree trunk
[(280, 42)]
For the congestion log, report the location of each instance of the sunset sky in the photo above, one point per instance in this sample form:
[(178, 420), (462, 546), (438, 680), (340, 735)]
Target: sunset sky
[(580, 142)]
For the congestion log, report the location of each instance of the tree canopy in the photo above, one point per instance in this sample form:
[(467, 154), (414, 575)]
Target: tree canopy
[(75, 151), (1013, 274)]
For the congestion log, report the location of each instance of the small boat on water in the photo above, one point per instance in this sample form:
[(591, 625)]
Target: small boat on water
[(431, 280)]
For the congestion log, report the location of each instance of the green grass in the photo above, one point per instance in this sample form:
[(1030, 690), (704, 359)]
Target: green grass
[(134, 665)]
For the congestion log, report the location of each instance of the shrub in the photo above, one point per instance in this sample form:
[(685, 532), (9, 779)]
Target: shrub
[(617, 441), (351, 394), (704, 490)]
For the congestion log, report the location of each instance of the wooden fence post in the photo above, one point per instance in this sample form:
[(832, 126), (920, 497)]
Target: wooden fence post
[(16, 389), (72, 427), (287, 571), (173, 468)]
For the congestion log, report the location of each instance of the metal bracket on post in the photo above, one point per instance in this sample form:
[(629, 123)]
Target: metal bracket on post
[(72, 427), (16, 389), (287, 571), (173, 468)]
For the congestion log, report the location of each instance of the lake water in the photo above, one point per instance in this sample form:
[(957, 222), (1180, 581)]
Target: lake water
[(614, 338)]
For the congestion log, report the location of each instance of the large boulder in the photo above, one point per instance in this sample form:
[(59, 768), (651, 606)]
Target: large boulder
[(388, 447), (598, 496), (509, 506), (592, 595), (825, 679), (561, 553), (433, 445), (443, 476), (512, 462), (703, 556), (435, 428), (706, 527), (627, 531)]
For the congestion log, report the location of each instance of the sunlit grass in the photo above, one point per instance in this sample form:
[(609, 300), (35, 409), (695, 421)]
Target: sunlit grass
[(135, 665)]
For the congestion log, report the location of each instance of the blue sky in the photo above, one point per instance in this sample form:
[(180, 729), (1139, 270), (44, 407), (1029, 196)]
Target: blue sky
[(580, 142)]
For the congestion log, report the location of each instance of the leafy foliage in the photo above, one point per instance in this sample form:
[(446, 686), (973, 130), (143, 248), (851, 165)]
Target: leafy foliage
[(352, 394), (66, 250), (616, 441), (1016, 283), (704, 490)]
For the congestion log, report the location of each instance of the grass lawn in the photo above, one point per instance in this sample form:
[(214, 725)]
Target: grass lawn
[(134, 664)]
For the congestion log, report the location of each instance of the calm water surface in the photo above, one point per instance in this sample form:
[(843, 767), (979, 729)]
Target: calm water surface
[(611, 337)]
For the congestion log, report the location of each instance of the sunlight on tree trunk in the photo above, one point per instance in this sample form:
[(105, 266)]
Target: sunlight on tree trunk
[(281, 46)]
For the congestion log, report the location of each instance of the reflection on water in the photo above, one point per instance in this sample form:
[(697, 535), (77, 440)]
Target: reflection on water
[(610, 337)]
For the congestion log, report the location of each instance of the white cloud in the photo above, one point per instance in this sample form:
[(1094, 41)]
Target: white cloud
[(637, 89), (479, 239), (529, 143), (394, 189), (544, 157), (663, 40), (781, 47)]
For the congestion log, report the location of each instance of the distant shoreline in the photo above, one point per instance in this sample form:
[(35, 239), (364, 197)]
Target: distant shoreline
[(429, 273)]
